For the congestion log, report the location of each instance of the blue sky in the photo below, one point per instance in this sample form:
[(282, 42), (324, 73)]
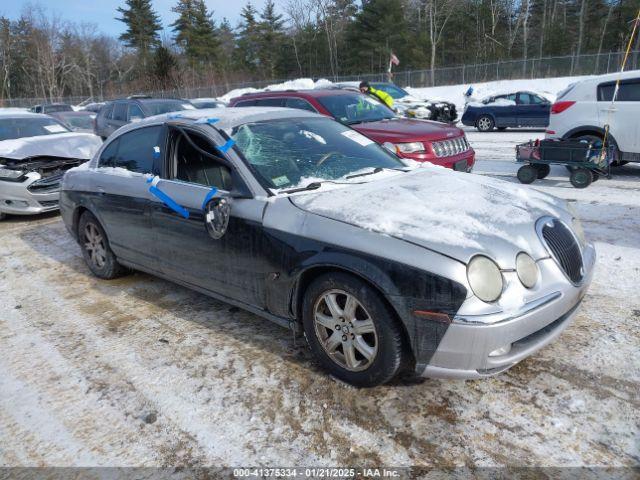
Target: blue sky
[(103, 12)]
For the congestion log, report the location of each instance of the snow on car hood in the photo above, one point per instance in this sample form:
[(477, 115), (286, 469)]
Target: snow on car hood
[(457, 214), (67, 145)]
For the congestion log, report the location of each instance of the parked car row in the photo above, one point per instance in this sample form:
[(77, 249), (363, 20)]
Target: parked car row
[(317, 210)]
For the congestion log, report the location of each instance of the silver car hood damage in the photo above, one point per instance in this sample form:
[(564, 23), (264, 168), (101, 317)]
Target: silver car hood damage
[(456, 214), (63, 145)]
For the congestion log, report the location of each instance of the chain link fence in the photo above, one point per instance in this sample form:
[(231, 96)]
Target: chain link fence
[(531, 68)]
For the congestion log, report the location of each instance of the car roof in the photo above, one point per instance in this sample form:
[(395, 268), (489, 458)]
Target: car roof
[(610, 77), (319, 93), (18, 114), (225, 118), (75, 113)]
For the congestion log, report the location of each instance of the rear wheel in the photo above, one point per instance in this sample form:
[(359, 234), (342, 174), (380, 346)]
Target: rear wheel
[(351, 331), (485, 123), (96, 250), (581, 177), (527, 174)]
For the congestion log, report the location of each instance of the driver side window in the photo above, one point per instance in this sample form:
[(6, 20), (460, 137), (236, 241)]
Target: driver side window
[(192, 166)]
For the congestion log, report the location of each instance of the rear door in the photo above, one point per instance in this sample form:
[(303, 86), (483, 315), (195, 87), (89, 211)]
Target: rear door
[(122, 192), (118, 117), (622, 116)]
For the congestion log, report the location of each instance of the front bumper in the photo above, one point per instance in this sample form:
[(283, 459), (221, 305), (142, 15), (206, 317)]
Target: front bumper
[(16, 198), (462, 162), (484, 345)]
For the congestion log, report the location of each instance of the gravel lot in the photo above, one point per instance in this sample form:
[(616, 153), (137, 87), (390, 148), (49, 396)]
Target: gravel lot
[(139, 371)]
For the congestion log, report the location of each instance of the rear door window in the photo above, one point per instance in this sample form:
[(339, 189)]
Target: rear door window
[(299, 103), (270, 102), (246, 103), (629, 91), (134, 151), (120, 112)]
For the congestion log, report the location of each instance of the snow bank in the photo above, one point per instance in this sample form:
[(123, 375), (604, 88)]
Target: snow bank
[(298, 84)]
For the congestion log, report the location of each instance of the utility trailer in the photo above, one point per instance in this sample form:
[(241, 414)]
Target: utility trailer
[(585, 160)]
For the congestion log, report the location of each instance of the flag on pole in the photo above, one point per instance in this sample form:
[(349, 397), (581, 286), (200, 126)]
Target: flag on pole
[(394, 60)]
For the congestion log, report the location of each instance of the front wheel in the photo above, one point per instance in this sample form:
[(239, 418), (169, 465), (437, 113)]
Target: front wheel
[(485, 123), (351, 331), (527, 174), (96, 250)]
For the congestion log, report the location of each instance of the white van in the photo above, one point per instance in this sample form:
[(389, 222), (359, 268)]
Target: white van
[(584, 108)]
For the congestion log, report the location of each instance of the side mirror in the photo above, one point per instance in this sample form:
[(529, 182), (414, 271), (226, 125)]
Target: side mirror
[(216, 218)]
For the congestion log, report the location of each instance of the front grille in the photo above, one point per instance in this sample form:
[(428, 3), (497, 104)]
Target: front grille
[(447, 148), (48, 203), (563, 247), (46, 185)]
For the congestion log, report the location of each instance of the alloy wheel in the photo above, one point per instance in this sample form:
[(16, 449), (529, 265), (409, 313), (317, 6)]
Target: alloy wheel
[(484, 124), (94, 245), (345, 330)]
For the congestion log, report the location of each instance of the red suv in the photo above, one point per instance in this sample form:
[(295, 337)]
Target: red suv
[(419, 140)]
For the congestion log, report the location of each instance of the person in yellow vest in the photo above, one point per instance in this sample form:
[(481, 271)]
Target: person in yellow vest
[(382, 96)]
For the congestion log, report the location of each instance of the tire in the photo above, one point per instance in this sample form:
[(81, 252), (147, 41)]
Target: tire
[(381, 337), (2, 215), (96, 250), (543, 170), (581, 178), (527, 174), (596, 176), (485, 123)]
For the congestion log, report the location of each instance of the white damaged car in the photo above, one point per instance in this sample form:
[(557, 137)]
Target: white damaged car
[(35, 152)]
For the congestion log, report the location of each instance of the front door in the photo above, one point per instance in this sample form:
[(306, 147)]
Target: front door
[(233, 266), (533, 111)]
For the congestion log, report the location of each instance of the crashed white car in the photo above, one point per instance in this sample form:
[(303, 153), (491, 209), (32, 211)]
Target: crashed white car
[(35, 152)]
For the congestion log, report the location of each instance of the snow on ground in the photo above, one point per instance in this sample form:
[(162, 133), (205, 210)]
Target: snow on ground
[(139, 371)]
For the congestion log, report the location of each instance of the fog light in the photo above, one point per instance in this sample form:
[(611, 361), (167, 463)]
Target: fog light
[(501, 351)]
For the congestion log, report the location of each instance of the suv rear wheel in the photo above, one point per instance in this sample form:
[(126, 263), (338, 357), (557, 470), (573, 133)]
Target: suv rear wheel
[(351, 331)]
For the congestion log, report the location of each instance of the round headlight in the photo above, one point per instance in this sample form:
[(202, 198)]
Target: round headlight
[(527, 270), (485, 278)]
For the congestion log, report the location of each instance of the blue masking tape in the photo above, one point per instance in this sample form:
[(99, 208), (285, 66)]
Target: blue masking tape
[(156, 152), (209, 196), (210, 121), (224, 148), (169, 202), (173, 116)]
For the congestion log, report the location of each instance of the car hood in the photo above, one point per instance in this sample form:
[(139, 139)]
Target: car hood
[(411, 101), (406, 130), (66, 145), (456, 214)]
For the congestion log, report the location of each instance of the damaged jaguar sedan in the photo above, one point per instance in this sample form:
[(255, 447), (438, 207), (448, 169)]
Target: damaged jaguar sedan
[(381, 265), (35, 152)]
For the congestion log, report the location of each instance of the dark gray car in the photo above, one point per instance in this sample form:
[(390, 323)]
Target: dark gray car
[(117, 113)]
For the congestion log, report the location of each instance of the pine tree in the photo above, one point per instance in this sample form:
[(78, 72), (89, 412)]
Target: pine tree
[(271, 39), (143, 24), (195, 31), (248, 38), (164, 67), (227, 49)]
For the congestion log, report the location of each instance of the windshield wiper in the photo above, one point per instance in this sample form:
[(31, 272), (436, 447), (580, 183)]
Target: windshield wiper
[(375, 170), (311, 186)]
